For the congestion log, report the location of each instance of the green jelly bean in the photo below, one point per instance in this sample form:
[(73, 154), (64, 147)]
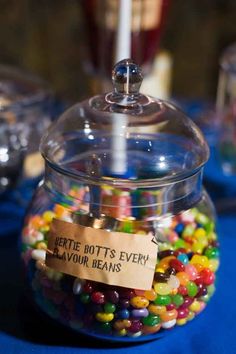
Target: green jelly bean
[(151, 320), (179, 244), (192, 289), (85, 298), (211, 289), (209, 227), (128, 227), (205, 298), (202, 219), (211, 252), (177, 299), (162, 300), (188, 230), (109, 307)]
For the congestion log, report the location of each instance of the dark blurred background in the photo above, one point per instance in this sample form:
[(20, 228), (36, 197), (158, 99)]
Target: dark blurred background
[(47, 37)]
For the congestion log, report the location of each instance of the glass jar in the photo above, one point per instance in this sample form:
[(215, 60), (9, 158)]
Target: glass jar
[(24, 116), (120, 242)]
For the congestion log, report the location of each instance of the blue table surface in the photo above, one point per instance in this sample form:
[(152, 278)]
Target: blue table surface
[(23, 330)]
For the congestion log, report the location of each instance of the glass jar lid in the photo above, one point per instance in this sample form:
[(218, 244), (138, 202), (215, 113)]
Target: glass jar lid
[(125, 137)]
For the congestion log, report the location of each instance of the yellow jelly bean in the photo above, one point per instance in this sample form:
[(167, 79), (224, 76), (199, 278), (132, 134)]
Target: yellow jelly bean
[(41, 245), (151, 329), (122, 324), (156, 309), (151, 295), (183, 278), (195, 306), (199, 233), (121, 332), (162, 288), (181, 321), (159, 269), (139, 302), (191, 316), (174, 291), (203, 260), (213, 264), (48, 216), (169, 315), (197, 247), (104, 317)]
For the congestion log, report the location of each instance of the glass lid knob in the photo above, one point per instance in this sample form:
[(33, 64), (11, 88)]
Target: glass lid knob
[(127, 77)]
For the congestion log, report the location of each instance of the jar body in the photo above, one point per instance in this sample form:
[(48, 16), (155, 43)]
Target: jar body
[(183, 283)]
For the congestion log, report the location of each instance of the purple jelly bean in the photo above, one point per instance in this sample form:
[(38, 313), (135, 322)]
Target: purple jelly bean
[(136, 326), (137, 313), (124, 303), (187, 302), (112, 296)]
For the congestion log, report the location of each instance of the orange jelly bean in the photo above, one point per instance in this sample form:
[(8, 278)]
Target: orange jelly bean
[(156, 309), (169, 315), (183, 278), (164, 263), (151, 329), (151, 295)]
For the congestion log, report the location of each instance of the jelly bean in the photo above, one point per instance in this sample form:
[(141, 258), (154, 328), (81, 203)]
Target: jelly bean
[(136, 326), (179, 244), (192, 289), (207, 276), (41, 245), (151, 320), (173, 282), (77, 286), (162, 288), (121, 332), (202, 290), (168, 324), (109, 307), (205, 298), (191, 316), (121, 324), (164, 263), (202, 218), (213, 264), (37, 221), (88, 287), (98, 297), (104, 317), (139, 292), (202, 306), (169, 315), (199, 232), (48, 216), (171, 271), (137, 313), (191, 271), (162, 300), (199, 267), (124, 303), (112, 296), (151, 329), (183, 258), (198, 247), (179, 228), (166, 253), (182, 313), (188, 230), (182, 290), (134, 334), (202, 260), (181, 321), (161, 277), (173, 237), (179, 251), (170, 307), (139, 302), (126, 293), (39, 255), (177, 299), (150, 294), (85, 298), (211, 289), (123, 314), (156, 309), (183, 278), (187, 302), (195, 306), (177, 265)]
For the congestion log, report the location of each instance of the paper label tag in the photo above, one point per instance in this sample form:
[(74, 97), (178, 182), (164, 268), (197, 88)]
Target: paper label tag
[(113, 258)]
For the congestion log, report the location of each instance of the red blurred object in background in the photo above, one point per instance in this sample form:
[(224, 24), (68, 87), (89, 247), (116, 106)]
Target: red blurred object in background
[(101, 18)]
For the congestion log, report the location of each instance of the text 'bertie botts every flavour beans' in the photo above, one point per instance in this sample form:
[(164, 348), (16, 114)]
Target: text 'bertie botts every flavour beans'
[(182, 283)]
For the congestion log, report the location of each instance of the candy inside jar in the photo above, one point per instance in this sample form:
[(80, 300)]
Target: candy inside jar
[(122, 251)]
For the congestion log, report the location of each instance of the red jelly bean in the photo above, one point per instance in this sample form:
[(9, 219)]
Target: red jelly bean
[(182, 290), (98, 297), (126, 293), (207, 276), (112, 296), (88, 287), (187, 302), (182, 313), (136, 326), (202, 290), (177, 265), (170, 307), (198, 280), (180, 251)]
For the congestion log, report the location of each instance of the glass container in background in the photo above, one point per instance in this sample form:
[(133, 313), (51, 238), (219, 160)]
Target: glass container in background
[(25, 113), (120, 242), (226, 110), (101, 19)]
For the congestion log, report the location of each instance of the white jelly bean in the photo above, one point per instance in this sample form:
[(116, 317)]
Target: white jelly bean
[(173, 282), (39, 255), (77, 286), (168, 324)]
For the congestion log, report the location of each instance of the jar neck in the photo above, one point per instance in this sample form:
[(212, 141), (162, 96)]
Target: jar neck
[(141, 203)]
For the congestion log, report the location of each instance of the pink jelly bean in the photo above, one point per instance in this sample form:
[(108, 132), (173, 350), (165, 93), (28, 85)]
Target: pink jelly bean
[(191, 271)]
